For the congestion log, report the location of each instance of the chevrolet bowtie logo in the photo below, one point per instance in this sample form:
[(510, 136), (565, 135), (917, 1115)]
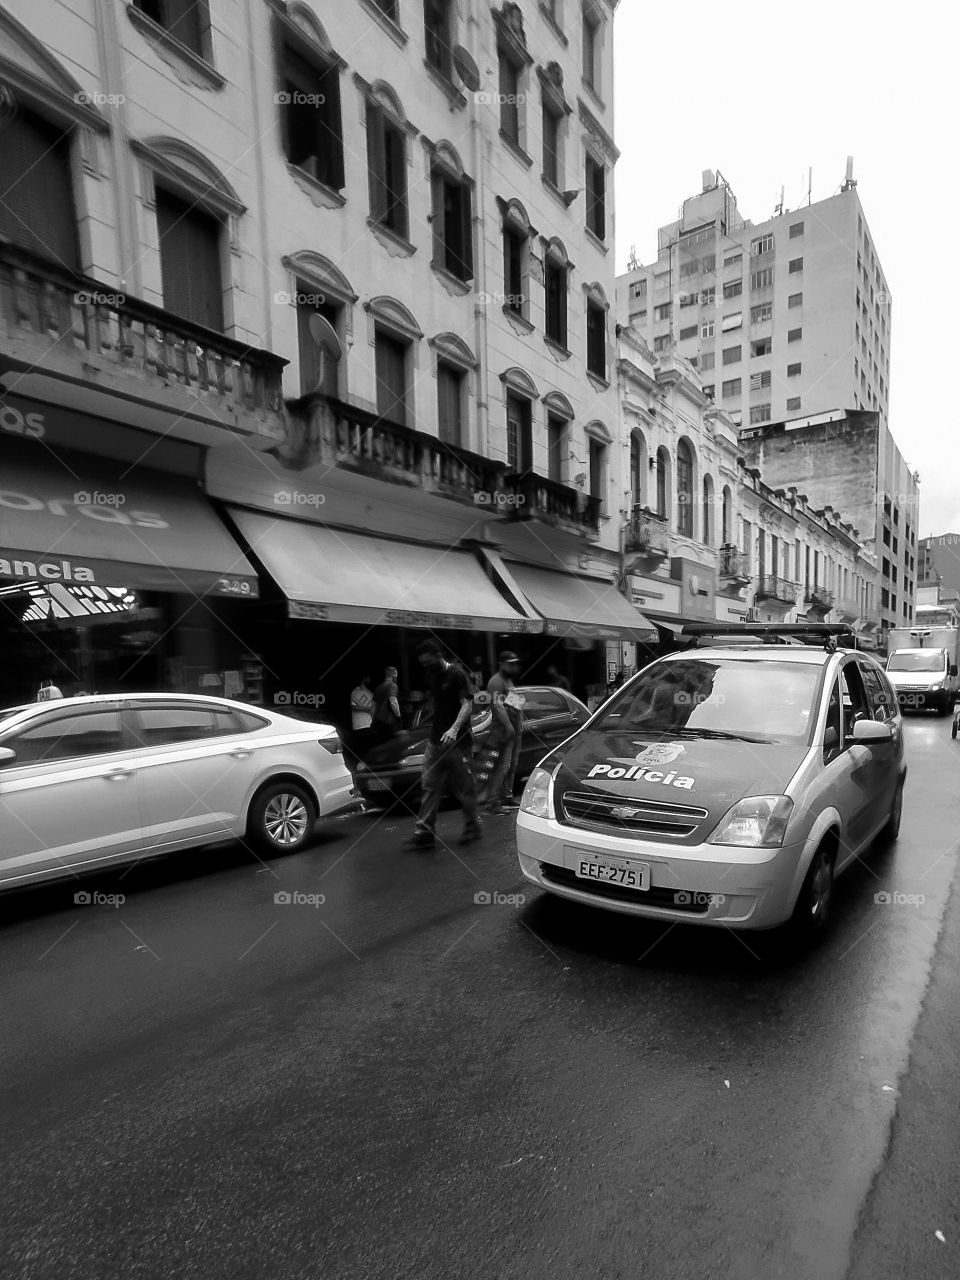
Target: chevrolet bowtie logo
[(625, 811)]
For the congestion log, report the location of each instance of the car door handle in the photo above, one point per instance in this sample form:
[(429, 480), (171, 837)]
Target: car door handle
[(241, 753), (117, 775)]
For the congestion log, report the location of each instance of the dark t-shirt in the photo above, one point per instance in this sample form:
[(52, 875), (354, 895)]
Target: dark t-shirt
[(500, 690), (449, 687), (383, 713)]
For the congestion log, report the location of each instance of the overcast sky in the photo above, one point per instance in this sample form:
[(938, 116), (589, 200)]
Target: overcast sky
[(763, 92)]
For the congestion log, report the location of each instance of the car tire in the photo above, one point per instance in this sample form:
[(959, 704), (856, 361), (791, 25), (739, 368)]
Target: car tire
[(953, 729), (891, 828), (281, 818), (811, 914)]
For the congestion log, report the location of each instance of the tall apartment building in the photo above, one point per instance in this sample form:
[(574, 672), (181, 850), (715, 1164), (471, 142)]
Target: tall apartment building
[(343, 274), (939, 561), (785, 317)]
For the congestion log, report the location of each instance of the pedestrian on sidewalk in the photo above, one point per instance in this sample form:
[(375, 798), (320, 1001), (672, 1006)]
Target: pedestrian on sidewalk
[(446, 758), (506, 736), (558, 681), (386, 706)]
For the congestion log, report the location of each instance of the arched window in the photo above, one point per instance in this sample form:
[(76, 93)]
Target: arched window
[(684, 489), (636, 474), (727, 530), (663, 509), (707, 527)]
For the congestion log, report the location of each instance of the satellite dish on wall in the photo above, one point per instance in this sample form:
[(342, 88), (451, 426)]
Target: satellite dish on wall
[(466, 68), (325, 336)]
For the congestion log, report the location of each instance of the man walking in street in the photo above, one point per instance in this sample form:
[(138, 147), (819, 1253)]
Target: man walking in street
[(386, 706), (506, 736), (446, 758)]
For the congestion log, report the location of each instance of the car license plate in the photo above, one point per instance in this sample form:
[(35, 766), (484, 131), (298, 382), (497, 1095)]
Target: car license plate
[(377, 784), (635, 876)]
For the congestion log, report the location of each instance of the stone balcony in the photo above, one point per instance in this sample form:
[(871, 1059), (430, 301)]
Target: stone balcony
[(818, 599), (75, 339), (645, 534), (340, 435), (774, 589), (733, 568)]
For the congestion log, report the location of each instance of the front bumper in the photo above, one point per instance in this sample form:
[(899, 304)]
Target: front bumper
[(697, 884)]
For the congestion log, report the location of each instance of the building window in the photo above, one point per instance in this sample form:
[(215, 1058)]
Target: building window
[(452, 223), (639, 288), (36, 191), (707, 328), (763, 244), (707, 360), (387, 167), (515, 267), (391, 354), (732, 321), (793, 404), (731, 388), (663, 311), (760, 380), (709, 262), (552, 124), (684, 489), (761, 313), (389, 8), (708, 297), (689, 332), (689, 299), (186, 20), (662, 483), (555, 288), (706, 531), (636, 472), (317, 371), (793, 370), (510, 73), (596, 199), (591, 47), (795, 300), (662, 343), (190, 240), (759, 413), (796, 264), (796, 229), (310, 116), (437, 28), (732, 355), (733, 288), (519, 435), (732, 259), (451, 391), (762, 279), (598, 472), (596, 339), (556, 447), (762, 347), (709, 390), (795, 335)]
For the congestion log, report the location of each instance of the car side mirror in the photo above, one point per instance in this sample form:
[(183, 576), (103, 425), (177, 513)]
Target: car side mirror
[(953, 670), (871, 731), (7, 756)]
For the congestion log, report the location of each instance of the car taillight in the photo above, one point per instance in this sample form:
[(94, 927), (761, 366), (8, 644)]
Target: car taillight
[(331, 744)]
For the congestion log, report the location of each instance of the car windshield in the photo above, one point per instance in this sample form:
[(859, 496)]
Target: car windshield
[(915, 661), (753, 700)]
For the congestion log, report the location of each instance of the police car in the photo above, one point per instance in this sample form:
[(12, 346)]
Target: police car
[(725, 784)]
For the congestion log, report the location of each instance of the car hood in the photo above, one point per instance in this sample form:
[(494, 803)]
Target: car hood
[(710, 774)]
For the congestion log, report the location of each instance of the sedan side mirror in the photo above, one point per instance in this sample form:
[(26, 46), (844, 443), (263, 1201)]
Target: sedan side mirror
[(871, 731), (7, 756), (953, 671)]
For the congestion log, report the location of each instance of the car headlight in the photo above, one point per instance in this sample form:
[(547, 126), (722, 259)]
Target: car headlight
[(536, 794), (935, 688), (410, 762), (758, 822)]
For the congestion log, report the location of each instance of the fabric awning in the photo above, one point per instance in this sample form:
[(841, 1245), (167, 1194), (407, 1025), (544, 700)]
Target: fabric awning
[(338, 576), (590, 608), (78, 519)]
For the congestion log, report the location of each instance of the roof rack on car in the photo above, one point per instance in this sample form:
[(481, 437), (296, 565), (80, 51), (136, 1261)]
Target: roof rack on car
[(815, 633)]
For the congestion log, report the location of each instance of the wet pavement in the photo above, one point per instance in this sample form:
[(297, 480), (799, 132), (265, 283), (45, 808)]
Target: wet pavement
[(403, 1079)]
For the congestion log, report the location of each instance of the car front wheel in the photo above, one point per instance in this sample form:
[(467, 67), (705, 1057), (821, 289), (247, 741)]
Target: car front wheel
[(281, 818), (892, 827), (812, 912)]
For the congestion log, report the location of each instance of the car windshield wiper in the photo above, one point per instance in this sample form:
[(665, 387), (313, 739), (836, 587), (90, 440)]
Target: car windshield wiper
[(688, 732)]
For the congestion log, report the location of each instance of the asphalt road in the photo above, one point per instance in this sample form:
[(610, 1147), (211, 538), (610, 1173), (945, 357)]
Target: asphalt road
[(401, 1081)]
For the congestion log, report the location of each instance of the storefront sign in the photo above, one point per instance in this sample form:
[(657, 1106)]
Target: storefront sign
[(697, 588)]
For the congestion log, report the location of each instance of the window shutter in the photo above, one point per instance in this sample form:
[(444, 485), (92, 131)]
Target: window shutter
[(391, 378), (396, 180), (190, 261), (36, 191), (376, 162), (466, 233), (185, 20), (448, 390)]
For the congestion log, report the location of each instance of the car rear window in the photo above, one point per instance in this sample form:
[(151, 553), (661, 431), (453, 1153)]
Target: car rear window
[(744, 698)]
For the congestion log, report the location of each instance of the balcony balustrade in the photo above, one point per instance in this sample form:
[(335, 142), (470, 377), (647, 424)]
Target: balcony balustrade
[(646, 535), (733, 565), (773, 587)]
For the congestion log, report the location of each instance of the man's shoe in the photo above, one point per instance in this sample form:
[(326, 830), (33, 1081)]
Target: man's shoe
[(471, 833), (421, 840), (495, 810), (509, 804)]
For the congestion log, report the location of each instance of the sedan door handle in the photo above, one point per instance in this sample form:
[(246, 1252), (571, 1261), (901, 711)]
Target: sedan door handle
[(241, 753), (117, 775)]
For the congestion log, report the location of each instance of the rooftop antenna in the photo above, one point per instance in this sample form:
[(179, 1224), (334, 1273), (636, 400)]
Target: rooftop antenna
[(810, 184), (632, 261), (779, 208), (849, 181)]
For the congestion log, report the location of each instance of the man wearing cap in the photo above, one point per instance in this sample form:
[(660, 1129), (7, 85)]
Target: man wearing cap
[(506, 735)]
